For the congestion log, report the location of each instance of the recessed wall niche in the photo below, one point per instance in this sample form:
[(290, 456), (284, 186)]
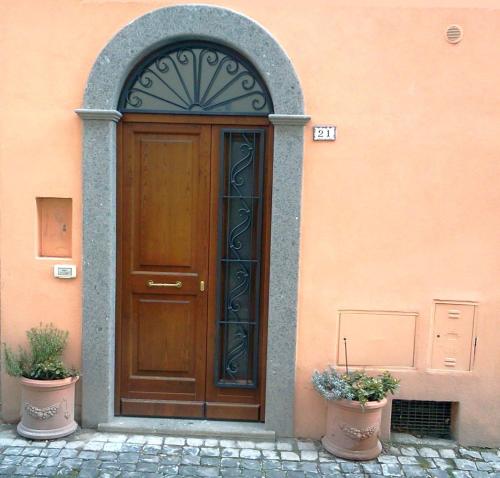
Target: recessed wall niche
[(54, 226)]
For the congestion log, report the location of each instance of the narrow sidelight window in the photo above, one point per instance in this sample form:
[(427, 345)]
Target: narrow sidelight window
[(239, 256)]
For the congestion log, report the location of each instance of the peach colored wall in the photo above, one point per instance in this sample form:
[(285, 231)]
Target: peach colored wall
[(402, 209)]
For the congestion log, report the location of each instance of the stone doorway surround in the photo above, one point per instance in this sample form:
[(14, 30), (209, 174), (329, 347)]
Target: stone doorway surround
[(100, 116)]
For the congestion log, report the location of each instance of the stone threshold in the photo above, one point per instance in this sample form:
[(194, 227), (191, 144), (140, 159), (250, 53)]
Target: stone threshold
[(188, 428)]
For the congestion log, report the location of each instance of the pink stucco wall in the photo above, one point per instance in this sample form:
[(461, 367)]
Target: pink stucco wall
[(403, 209)]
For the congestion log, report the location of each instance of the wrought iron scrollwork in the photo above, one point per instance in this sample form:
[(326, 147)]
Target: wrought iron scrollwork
[(196, 78), (239, 257)]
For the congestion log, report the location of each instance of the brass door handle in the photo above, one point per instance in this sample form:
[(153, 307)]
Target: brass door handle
[(152, 283)]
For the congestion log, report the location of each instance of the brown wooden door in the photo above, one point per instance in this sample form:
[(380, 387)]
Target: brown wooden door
[(168, 214)]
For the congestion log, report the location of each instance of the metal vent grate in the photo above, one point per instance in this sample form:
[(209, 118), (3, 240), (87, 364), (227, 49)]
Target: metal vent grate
[(454, 33), (423, 418)]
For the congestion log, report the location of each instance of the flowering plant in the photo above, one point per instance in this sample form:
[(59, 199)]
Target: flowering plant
[(357, 386)]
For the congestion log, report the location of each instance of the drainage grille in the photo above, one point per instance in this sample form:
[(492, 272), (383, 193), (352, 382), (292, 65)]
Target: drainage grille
[(422, 418)]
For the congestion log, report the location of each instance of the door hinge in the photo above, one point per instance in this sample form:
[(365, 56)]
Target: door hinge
[(202, 285)]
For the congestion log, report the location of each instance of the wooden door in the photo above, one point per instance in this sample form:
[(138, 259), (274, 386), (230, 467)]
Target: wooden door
[(167, 271)]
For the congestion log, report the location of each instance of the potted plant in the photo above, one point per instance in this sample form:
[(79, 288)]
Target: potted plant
[(355, 403), (48, 387)]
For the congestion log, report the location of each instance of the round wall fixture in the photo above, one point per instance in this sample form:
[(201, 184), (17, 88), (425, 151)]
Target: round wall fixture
[(454, 33)]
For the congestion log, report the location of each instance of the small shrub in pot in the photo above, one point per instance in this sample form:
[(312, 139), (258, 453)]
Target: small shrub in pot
[(355, 403), (48, 386)]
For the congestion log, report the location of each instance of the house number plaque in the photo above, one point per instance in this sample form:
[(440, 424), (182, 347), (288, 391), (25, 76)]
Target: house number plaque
[(324, 133)]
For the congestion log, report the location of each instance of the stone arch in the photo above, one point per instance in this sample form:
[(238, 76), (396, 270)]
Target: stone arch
[(203, 22), (99, 115)]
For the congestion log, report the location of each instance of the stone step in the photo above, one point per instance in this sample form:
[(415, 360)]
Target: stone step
[(186, 427)]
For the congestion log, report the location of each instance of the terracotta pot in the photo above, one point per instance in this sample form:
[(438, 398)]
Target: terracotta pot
[(352, 431), (47, 408)]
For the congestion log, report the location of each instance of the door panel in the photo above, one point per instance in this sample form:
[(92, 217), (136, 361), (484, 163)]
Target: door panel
[(167, 201), (237, 322), (162, 408), (233, 411), (172, 219), (170, 177), (164, 335), (164, 241)]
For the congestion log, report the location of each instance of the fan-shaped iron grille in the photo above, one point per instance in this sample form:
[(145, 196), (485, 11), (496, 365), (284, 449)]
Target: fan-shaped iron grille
[(196, 78)]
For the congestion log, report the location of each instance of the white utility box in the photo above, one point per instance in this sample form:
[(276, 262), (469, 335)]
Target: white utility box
[(65, 271)]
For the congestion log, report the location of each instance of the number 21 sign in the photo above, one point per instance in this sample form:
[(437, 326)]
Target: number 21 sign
[(324, 133)]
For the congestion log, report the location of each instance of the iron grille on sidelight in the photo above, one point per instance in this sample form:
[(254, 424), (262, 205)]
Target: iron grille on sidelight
[(423, 418), (195, 77), (239, 257)]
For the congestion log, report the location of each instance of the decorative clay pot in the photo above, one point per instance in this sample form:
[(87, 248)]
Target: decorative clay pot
[(352, 430), (47, 408)]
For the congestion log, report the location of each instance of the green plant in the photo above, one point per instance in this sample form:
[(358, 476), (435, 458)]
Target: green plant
[(357, 386), (43, 360)]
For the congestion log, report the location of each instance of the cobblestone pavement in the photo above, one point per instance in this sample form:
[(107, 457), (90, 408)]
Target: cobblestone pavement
[(90, 454)]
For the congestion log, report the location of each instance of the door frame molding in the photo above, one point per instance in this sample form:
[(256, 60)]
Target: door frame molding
[(99, 116)]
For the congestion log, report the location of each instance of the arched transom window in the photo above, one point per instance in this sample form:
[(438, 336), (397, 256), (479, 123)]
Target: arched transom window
[(195, 77)]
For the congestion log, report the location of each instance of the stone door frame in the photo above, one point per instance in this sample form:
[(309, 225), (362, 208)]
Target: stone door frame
[(100, 116)]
